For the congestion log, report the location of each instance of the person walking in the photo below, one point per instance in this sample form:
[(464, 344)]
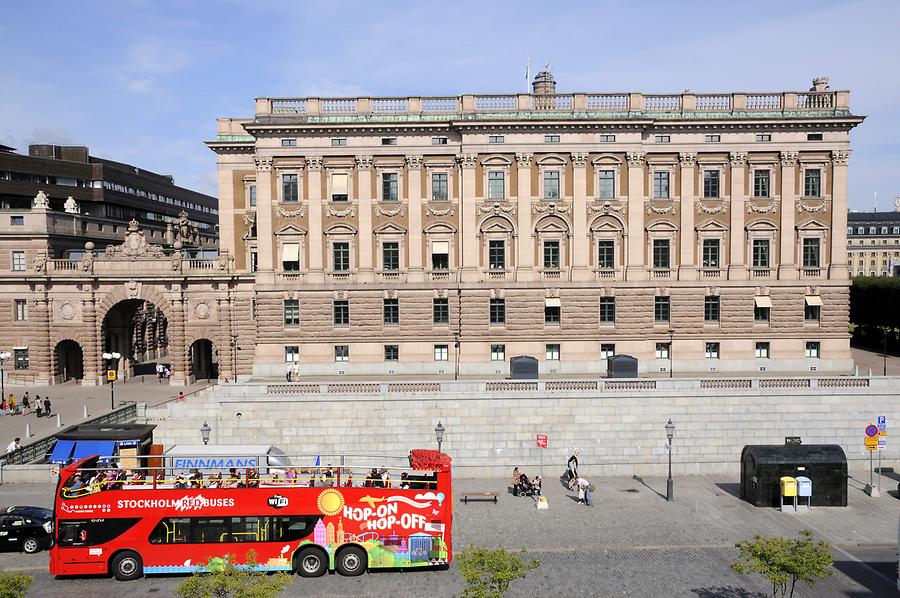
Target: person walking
[(288, 373), (38, 405), (3, 406), (26, 403), (572, 469), (47, 406), (12, 405), (180, 395), (160, 372), (295, 372)]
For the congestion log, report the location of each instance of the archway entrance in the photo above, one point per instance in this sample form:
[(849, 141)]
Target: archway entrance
[(138, 330), (204, 363), (69, 361)]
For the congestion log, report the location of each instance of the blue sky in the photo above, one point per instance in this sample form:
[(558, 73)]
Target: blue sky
[(143, 81)]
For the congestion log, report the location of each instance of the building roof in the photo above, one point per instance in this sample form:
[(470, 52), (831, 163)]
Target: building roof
[(107, 432), (873, 217)]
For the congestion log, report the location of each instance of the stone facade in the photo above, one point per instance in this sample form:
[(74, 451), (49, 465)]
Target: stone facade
[(577, 212), (873, 243)]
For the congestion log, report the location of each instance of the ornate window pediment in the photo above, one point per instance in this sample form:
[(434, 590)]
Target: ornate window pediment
[(289, 229), (553, 160), (340, 229), (440, 228), (552, 224), (712, 227), (497, 224), (496, 160), (607, 224), (390, 229)]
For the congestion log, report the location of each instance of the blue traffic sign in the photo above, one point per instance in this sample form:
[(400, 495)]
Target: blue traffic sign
[(882, 421), (871, 430)]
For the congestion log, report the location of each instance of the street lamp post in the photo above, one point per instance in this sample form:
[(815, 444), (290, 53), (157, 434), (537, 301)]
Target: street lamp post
[(110, 359), (670, 433), (3, 357), (439, 434), (204, 432)]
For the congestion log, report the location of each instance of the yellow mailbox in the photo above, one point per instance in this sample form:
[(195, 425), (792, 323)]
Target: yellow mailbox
[(788, 486)]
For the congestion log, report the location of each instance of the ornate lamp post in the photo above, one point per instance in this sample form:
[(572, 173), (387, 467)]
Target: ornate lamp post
[(439, 434), (112, 358), (670, 433), (204, 432), (3, 357)]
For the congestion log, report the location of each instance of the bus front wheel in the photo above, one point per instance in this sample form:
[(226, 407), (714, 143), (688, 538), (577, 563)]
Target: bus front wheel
[(312, 562), (351, 561), (127, 566)]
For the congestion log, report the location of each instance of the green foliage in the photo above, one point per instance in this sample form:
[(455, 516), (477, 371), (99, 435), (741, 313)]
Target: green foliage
[(489, 572), (784, 561), (221, 578), (14, 585)]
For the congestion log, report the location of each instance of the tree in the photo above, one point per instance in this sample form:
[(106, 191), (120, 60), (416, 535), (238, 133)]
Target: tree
[(14, 585), (221, 578), (785, 561), (489, 572)]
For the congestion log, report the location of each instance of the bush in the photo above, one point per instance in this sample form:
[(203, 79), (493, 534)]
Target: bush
[(784, 562), (14, 585), (489, 572), (221, 578)]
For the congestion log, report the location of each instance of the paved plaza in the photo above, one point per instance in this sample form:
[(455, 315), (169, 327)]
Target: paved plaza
[(631, 543)]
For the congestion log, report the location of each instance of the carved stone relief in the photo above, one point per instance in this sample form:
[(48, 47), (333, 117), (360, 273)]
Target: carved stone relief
[(135, 245), (496, 208), (608, 207)]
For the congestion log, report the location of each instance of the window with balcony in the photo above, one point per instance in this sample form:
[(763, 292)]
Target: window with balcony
[(439, 186), (813, 349), (811, 253), (340, 256), (341, 309), (441, 352), (711, 183), (711, 309), (761, 183), (760, 253), (551, 184), (291, 354), (661, 257), (552, 351), (607, 310), (339, 186), (762, 350), (711, 253), (390, 256), (497, 255), (289, 188), (291, 312), (661, 185), (440, 311), (607, 350), (391, 311), (20, 310), (440, 255), (498, 311), (812, 182), (606, 254), (392, 352), (496, 184), (551, 255), (712, 350), (606, 185), (342, 353), (389, 188), (498, 352), (661, 310)]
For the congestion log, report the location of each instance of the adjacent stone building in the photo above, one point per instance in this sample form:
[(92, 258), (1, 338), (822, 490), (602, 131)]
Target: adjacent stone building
[(873, 244), (443, 235)]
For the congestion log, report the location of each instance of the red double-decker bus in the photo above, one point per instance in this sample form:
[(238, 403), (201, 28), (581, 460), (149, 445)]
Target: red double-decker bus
[(345, 519)]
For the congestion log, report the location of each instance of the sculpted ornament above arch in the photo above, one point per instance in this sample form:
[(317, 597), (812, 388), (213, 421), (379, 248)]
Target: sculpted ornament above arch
[(135, 245)]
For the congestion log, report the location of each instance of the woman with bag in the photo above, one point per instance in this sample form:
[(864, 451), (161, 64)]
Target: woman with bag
[(572, 470)]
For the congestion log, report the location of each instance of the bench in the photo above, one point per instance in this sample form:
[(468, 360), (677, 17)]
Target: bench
[(485, 496)]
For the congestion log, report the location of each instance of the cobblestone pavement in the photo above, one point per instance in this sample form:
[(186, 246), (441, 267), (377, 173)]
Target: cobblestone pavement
[(631, 543)]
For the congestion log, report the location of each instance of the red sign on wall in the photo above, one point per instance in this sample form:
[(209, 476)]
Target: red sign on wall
[(542, 440)]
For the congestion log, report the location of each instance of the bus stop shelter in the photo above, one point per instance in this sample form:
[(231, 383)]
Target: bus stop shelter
[(108, 440)]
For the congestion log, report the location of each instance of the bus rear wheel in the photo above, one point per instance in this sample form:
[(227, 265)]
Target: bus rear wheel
[(351, 561), (311, 562), (127, 566)]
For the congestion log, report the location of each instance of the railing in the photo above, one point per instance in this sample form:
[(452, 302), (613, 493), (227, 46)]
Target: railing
[(606, 273), (338, 106), (725, 384), (660, 273), (495, 103), (710, 273), (288, 106), (389, 105), (496, 274), (440, 275), (552, 102), (815, 101), (663, 103), (713, 103), (551, 274), (812, 272), (607, 102), (760, 272), (62, 265), (201, 264), (784, 383), (440, 105), (764, 101), (507, 386)]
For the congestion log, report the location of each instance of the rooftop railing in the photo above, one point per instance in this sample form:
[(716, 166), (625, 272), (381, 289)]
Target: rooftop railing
[(614, 103)]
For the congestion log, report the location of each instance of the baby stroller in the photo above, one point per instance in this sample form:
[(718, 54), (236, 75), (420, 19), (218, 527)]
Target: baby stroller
[(527, 487)]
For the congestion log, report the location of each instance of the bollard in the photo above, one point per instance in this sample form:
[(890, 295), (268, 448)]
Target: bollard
[(58, 421), (86, 412), (27, 430)]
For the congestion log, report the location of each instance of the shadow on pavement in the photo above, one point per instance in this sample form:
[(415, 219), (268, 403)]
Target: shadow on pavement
[(865, 573), (727, 592), (732, 488), (641, 481)]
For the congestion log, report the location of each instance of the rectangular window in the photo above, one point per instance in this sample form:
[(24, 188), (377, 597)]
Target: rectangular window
[(290, 257), (711, 309), (342, 353), (388, 141), (17, 220), (607, 310), (813, 349), (252, 196), (761, 186), (712, 138), (607, 350), (711, 183), (551, 138), (498, 311), (496, 139), (764, 137), (552, 310), (341, 308), (661, 185), (21, 310), (761, 314), (661, 254), (18, 261), (254, 262), (389, 191), (497, 255), (812, 313), (438, 141), (712, 350), (439, 186), (551, 255), (606, 187), (441, 353), (811, 253), (496, 185), (390, 256), (812, 182), (292, 354), (440, 311), (760, 253), (21, 359), (710, 253), (606, 138), (498, 352), (814, 137), (661, 310), (663, 139), (391, 311), (289, 188), (662, 350), (606, 254), (551, 184), (339, 186), (553, 352), (288, 143), (392, 353), (762, 350), (440, 255), (291, 312), (338, 141), (340, 255)]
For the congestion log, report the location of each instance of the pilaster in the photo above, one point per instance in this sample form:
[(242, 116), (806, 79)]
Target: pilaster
[(635, 241), (414, 228), (91, 341), (264, 232), (524, 245), (468, 202), (736, 268), (579, 219), (364, 199), (314, 186), (787, 267), (837, 268), (687, 265)]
